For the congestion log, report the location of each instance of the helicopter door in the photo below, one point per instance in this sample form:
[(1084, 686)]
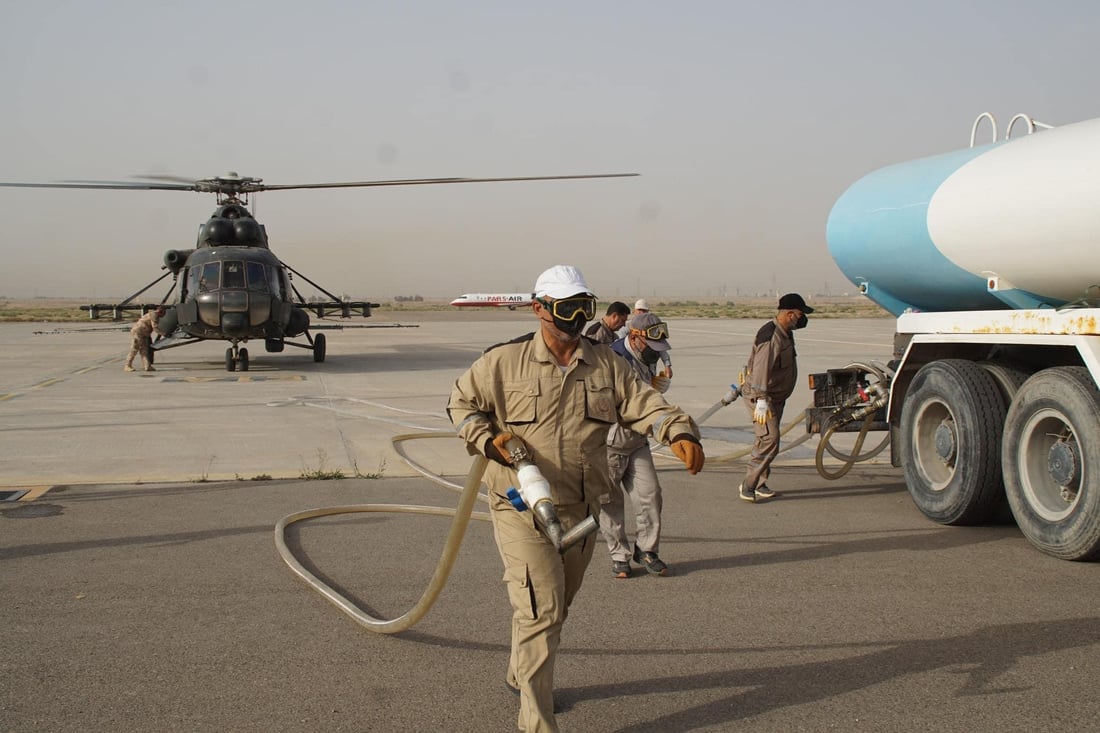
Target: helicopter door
[(259, 298)]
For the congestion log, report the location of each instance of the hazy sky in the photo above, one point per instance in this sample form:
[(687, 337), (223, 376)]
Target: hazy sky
[(746, 120)]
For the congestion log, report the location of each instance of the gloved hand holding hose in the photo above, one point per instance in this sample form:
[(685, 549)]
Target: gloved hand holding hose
[(496, 448)]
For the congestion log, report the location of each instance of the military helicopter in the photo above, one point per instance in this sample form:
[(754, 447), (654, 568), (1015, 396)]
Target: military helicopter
[(231, 285)]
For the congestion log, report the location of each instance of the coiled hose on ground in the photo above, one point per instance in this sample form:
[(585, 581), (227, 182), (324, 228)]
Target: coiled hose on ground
[(462, 514), (469, 495)]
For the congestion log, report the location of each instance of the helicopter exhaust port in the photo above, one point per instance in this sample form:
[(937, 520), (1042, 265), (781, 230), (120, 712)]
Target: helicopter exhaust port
[(176, 259)]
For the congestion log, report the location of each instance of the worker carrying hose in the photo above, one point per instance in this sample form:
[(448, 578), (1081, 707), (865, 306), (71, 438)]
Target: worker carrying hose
[(556, 395), (770, 377)]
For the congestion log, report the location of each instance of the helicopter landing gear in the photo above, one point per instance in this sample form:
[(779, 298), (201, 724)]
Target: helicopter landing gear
[(319, 347), (235, 356)]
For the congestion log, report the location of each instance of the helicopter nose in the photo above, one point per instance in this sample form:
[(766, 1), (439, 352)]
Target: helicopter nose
[(235, 324)]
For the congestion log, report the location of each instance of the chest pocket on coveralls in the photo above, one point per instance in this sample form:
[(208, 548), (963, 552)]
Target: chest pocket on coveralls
[(599, 400), (520, 402), (786, 358)]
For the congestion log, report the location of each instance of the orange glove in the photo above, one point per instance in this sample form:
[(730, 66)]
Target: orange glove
[(497, 448), (690, 452)]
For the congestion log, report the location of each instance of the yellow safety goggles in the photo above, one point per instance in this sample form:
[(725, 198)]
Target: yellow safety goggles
[(567, 309), (656, 332)]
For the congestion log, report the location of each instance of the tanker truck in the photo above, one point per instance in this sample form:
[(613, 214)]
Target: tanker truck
[(987, 257)]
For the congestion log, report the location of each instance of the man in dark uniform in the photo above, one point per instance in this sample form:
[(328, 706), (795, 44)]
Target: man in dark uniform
[(604, 330), (770, 377)]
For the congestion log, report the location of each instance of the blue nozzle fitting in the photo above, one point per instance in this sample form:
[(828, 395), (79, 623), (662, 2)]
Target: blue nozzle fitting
[(516, 499)]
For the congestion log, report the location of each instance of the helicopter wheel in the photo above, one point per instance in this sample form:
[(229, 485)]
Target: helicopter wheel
[(243, 359), (230, 364), (319, 347)]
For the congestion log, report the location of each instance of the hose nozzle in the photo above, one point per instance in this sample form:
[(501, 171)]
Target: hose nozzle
[(534, 490), (579, 531)]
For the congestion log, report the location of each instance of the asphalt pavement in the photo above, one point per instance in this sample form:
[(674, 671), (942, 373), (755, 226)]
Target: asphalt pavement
[(141, 588)]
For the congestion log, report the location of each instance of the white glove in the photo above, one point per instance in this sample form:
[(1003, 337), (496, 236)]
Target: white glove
[(661, 383), (761, 413)]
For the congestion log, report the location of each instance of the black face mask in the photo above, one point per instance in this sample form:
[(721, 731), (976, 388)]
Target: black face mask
[(802, 321), (649, 356), (573, 327)]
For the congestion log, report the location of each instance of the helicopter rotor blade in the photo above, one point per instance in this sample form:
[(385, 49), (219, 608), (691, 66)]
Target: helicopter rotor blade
[(167, 178), (430, 181), (105, 185), (233, 185)]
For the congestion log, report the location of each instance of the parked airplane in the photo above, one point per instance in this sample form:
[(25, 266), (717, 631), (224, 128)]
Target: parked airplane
[(500, 300)]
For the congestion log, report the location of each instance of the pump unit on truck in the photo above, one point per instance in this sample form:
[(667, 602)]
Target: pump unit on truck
[(988, 257)]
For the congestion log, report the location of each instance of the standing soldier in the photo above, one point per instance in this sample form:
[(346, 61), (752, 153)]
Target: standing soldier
[(141, 340)]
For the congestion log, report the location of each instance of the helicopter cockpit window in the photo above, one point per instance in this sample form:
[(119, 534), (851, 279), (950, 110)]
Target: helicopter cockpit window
[(210, 276), (194, 273), (275, 280), (257, 276), (232, 274)]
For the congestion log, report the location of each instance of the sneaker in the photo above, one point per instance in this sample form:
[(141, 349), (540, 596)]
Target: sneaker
[(620, 568), (748, 495), (652, 563), (763, 492)]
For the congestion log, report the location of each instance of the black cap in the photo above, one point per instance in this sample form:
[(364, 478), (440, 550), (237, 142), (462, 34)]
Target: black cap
[(794, 301)]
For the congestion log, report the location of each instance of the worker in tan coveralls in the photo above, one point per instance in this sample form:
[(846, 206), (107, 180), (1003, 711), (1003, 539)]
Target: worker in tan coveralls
[(141, 340), (770, 378), (559, 394)]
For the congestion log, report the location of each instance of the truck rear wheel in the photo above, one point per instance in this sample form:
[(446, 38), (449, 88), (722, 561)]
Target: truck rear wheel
[(1009, 379), (1051, 462), (951, 427)]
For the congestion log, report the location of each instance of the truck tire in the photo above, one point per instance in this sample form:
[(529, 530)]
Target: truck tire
[(951, 426), (1051, 462), (1009, 378)]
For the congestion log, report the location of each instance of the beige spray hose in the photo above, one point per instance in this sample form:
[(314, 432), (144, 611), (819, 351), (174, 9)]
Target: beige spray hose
[(462, 515), (731, 457)]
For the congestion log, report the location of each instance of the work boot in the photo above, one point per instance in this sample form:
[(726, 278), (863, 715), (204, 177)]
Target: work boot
[(128, 368), (148, 365)]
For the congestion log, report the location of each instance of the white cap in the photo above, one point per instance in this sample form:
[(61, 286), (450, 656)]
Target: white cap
[(641, 305), (561, 281)]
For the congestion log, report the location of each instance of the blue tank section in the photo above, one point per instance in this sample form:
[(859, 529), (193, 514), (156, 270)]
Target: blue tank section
[(878, 235)]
